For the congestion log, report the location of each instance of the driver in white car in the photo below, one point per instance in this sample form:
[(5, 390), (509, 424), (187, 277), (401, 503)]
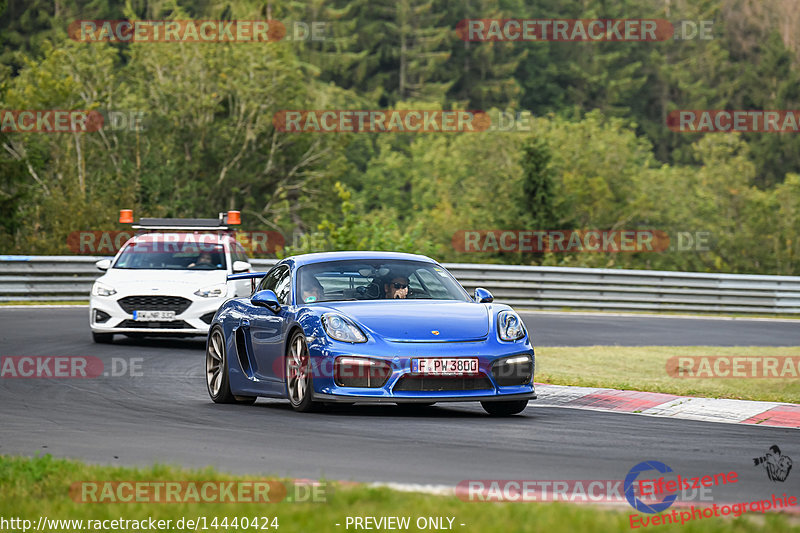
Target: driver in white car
[(203, 259)]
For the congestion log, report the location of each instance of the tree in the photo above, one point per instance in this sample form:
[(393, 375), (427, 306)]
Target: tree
[(356, 230), (538, 188), (406, 47), (483, 71)]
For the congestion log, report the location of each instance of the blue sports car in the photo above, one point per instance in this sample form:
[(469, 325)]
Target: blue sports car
[(367, 327)]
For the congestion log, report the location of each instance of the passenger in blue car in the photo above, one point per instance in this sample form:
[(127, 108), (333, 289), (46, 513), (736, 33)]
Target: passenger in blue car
[(396, 288), (312, 290)]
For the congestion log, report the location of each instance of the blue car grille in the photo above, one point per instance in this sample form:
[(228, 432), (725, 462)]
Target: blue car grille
[(421, 383)]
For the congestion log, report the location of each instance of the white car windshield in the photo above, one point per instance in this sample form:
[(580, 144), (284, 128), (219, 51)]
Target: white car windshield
[(163, 255)]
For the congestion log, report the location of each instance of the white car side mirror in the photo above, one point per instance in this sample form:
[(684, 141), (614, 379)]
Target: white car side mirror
[(103, 264), (240, 266)]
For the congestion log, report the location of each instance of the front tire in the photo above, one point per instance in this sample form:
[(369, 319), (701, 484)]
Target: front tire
[(505, 408), (299, 381), (217, 377)]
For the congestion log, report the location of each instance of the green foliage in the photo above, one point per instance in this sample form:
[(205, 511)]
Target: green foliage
[(598, 155), (538, 188), (355, 230)]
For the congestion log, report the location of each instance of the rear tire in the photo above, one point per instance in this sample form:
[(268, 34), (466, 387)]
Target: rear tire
[(505, 408), (103, 338), (217, 377)]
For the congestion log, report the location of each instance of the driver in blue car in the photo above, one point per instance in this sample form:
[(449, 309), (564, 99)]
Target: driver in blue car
[(396, 288)]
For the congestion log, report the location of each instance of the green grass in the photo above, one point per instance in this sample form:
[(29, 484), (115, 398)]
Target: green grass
[(30, 488), (643, 368)]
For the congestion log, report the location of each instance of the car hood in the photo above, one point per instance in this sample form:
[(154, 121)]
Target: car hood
[(417, 320), (133, 280)]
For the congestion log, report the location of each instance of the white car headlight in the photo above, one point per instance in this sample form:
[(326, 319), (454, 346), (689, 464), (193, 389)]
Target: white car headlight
[(342, 329), (101, 289), (509, 326), (213, 291)]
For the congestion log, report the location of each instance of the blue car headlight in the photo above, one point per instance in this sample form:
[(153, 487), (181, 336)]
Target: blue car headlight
[(509, 326), (342, 329)]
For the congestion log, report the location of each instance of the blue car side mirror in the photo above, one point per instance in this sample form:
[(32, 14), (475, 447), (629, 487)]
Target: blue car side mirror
[(482, 296), (266, 298)]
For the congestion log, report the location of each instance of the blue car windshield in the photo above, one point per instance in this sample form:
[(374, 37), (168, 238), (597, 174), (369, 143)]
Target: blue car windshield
[(376, 280)]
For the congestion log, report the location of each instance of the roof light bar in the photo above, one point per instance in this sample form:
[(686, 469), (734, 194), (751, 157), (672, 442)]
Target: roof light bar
[(183, 224)]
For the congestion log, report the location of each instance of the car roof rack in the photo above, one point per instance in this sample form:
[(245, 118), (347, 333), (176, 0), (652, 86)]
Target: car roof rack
[(222, 223), (185, 224)]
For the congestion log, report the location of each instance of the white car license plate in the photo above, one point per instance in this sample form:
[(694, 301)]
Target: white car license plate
[(445, 366), (154, 315)]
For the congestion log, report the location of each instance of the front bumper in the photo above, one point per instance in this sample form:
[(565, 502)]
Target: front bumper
[(334, 398), (404, 386), (193, 321)]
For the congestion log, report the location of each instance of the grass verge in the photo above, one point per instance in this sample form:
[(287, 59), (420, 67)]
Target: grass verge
[(644, 368), (39, 486)]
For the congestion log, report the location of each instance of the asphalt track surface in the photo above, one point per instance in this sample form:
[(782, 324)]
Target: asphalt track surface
[(164, 415)]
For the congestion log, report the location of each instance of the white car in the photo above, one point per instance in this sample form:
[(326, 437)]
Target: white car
[(166, 283)]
